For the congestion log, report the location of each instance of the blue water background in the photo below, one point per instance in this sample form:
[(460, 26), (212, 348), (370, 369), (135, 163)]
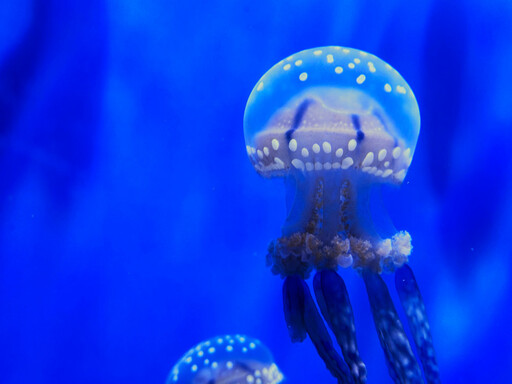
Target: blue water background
[(132, 225)]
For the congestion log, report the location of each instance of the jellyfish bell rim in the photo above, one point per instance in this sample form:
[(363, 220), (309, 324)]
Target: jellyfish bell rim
[(279, 85)]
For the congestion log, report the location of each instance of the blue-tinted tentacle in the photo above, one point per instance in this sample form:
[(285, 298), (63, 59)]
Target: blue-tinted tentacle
[(402, 365), (332, 297), (302, 315), (414, 309), (293, 301)]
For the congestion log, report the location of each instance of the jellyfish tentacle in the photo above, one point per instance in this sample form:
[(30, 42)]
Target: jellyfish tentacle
[(402, 364), (302, 316), (293, 302), (414, 308), (333, 300)]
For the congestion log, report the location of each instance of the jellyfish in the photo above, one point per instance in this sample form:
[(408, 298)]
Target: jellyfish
[(336, 124), (227, 359)]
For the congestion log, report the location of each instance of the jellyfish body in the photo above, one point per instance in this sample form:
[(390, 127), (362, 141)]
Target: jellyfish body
[(227, 359), (336, 123)]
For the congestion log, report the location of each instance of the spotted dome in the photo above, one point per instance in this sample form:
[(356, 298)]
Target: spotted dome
[(236, 359), (332, 108)]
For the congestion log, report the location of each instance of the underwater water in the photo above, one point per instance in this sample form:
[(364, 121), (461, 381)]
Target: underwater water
[(133, 226)]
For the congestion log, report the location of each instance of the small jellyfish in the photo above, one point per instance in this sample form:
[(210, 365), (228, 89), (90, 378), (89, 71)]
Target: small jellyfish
[(335, 124), (228, 359)]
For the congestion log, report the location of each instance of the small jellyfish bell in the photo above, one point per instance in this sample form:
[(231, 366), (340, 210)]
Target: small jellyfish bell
[(335, 123), (233, 359)]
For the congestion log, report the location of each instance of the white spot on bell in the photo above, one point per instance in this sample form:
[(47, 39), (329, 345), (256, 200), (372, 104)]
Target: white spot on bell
[(330, 58), (298, 164), (287, 67), (260, 154), (396, 152), (351, 65), (316, 148), (318, 166), (298, 63), (357, 61), (326, 147), (382, 154), (368, 159), (266, 151), (347, 162), (360, 79), (400, 175), (387, 172), (339, 152), (317, 52), (310, 166), (279, 162), (305, 152), (387, 88), (400, 89), (275, 144), (338, 70), (352, 144), (303, 76), (292, 145)]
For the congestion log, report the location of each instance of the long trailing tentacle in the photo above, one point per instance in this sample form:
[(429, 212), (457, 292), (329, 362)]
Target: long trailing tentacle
[(414, 308), (332, 298), (402, 364), (302, 316), (293, 302)]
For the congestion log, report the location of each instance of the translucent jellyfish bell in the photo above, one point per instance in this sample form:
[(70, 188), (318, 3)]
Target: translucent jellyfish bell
[(233, 359), (345, 98), (335, 121)]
